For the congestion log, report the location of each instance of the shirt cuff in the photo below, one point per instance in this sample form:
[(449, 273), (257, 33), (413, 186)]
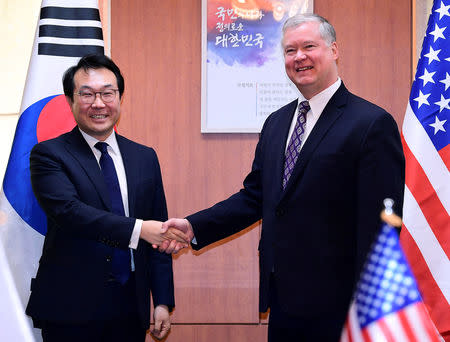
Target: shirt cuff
[(194, 240), (135, 234)]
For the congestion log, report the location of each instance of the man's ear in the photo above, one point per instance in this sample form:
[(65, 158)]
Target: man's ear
[(335, 51)]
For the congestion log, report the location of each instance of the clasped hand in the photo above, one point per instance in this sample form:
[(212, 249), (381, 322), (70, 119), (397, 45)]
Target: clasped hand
[(170, 236)]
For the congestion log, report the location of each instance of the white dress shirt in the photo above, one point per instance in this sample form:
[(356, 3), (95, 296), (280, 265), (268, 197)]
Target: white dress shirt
[(114, 152), (317, 104)]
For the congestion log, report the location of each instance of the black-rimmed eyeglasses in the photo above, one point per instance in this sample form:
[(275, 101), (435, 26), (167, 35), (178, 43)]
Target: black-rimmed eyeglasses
[(89, 96)]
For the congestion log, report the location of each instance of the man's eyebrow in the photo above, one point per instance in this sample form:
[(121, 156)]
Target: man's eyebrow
[(104, 86), (301, 43)]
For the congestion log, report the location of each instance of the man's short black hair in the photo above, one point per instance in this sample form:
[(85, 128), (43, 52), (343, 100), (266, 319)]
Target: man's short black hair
[(91, 62)]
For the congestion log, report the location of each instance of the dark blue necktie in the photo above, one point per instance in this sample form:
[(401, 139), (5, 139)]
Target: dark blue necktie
[(121, 263)]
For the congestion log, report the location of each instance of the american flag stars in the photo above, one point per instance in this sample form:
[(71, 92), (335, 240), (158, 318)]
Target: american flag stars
[(438, 32), (429, 94), (438, 125), (387, 284), (443, 10), (446, 81)]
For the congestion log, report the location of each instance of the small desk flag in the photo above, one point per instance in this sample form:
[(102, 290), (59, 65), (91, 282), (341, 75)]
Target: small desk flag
[(387, 305)]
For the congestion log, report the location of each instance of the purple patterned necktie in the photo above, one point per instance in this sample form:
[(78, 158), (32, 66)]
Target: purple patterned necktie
[(295, 143)]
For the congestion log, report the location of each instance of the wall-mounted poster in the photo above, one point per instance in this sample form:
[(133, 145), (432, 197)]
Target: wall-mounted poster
[(243, 77)]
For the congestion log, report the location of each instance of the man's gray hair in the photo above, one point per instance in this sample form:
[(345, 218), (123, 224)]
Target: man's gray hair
[(326, 30)]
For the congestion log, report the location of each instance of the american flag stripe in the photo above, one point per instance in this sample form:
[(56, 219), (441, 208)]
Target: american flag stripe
[(345, 337), (424, 193), (427, 157), (418, 260), (429, 327), (406, 325), (433, 297), (435, 257), (373, 333), (367, 337), (403, 318), (395, 326), (383, 325), (354, 332), (422, 332)]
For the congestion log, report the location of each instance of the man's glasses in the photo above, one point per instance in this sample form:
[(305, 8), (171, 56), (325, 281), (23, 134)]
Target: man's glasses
[(89, 96)]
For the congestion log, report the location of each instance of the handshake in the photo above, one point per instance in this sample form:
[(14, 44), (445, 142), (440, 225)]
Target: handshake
[(170, 236)]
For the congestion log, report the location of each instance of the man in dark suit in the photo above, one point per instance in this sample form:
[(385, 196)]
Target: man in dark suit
[(104, 200), (322, 168)]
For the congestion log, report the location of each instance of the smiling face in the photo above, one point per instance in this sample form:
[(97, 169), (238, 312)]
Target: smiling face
[(96, 119), (309, 61)]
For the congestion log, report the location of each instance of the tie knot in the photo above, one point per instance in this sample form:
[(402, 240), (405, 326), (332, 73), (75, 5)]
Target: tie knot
[(102, 147), (303, 107)]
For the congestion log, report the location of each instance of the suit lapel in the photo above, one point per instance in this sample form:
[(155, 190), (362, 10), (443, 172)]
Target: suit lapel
[(80, 150), (131, 166), (332, 111)]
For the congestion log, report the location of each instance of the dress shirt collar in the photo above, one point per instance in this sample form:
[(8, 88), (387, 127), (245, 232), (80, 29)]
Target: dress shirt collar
[(111, 141), (320, 100)]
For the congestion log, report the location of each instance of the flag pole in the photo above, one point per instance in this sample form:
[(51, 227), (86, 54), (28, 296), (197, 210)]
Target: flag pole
[(388, 215)]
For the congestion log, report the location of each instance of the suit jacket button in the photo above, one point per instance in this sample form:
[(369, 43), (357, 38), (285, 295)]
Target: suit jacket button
[(108, 258), (279, 212)]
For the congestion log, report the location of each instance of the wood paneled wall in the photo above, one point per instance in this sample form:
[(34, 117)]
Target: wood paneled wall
[(157, 44)]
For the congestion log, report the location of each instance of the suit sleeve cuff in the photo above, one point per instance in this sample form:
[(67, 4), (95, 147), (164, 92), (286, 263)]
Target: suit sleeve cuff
[(134, 240)]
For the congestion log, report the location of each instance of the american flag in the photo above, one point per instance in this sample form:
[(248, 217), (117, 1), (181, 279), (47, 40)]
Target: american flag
[(387, 305), (425, 236)]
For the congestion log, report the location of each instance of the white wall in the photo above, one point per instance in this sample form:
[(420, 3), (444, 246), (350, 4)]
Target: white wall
[(423, 10), (18, 19)]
